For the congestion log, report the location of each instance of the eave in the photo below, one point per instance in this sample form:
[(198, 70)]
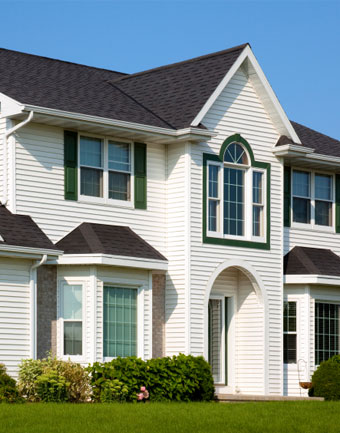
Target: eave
[(327, 280), (306, 157), (111, 260), (16, 251)]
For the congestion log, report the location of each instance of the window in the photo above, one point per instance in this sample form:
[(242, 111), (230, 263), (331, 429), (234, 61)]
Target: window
[(312, 198), (120, 322), (105, 168), (241, 189), (72, 312), (327, 332), (289, 332)]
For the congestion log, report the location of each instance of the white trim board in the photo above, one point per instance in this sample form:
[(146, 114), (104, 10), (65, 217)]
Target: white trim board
[(286, 127), (312, 279), (110, 260)]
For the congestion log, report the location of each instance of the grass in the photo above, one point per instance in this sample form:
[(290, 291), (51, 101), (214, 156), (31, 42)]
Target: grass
[(285, 417)]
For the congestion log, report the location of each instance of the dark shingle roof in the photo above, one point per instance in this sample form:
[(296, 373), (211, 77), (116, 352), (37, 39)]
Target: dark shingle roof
[(177, 92), (90, 238), (170, 96), (321, 143), (22, 231), (311, 261)]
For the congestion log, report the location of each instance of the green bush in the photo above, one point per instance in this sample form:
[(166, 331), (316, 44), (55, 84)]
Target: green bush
[(112, 391), (9, 392), (179, 378), (52, 387), (326, 380), (77, 378)]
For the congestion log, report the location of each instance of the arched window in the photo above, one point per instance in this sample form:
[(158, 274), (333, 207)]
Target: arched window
[(236, 193)]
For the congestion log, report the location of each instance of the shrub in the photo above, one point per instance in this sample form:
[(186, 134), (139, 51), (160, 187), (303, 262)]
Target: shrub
[(326, 380), (9, 392), (113, 390), (52, 387), (180, 378), (77, 378)]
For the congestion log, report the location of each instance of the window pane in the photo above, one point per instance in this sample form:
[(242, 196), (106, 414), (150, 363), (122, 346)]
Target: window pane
[(323, 213), (257, 220), (213, 205), (91, 182), (301, 210), (301, 183), (119, 156), (289, 348), (233, 201), (72, 338), (91, 152), (327, 333), (323, 187), (120, 322), (213, 181), (257, 187), (235, 154), (119, 186), (72, 302)]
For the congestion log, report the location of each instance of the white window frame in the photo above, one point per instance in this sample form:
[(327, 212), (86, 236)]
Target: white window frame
[(248, 201), (312, 224), (140, 314), (105, 200), (61, 320)]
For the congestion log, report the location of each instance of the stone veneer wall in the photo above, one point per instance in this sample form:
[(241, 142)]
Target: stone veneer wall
[(158, 315), (46, 310)]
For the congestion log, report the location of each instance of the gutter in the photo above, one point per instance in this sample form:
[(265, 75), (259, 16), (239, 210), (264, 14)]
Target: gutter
[(33, 291), (5, 155)]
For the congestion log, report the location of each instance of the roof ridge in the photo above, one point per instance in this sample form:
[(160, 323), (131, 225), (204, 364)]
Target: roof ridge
[(63, 61), (194, 59), (307, 127)]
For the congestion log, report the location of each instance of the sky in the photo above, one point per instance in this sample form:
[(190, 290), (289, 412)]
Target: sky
[(297, 43)]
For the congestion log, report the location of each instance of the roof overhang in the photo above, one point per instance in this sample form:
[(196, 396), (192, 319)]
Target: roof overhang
[(15, 251), (99, 125), (326, 280), (111, 260), (306, 157)]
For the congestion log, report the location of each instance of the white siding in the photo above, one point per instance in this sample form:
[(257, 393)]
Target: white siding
[(40, 189), (2, 131), (175, 304), (239, 109), (311, 238), (15, 313)]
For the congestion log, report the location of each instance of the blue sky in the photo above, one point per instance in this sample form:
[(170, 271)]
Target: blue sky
[(296, 42)]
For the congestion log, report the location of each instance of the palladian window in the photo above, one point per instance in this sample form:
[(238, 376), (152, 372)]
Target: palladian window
[(236, 196)]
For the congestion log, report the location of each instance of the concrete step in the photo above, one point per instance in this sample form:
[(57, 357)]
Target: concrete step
[(245, 398)]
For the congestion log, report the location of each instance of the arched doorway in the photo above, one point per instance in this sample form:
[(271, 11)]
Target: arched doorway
[(235, 329)]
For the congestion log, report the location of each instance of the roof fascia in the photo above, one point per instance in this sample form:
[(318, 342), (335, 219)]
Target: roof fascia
[(292, 150), (110, 260), (308, 154), (191, 133), (27, 252), (248, 54), (328, 280)]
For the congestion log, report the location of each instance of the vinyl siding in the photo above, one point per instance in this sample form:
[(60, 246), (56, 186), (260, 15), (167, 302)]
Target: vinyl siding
[(40, 189), (15, 316), (310, 238), (2, 131), (239, 109)]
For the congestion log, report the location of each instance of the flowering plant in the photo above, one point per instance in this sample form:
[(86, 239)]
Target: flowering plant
[(143, 394)]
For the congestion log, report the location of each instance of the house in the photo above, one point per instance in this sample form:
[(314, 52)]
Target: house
[(173, 210)]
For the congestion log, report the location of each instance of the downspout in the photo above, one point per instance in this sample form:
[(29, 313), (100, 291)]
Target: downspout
[(33, 292), (5, 155)]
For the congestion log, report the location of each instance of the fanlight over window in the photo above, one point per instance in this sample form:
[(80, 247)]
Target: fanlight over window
[(235, 154)]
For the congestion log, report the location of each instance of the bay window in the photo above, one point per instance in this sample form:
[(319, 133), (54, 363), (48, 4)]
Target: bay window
[(105, 169), (313, 198), (327, 331), (240, 188)]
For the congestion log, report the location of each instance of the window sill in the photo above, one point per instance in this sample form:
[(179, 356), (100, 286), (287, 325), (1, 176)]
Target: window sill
[(105, 202), (219, 235), (237, 241)]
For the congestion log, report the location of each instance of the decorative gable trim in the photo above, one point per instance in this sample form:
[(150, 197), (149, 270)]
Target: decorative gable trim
[(282, 117)]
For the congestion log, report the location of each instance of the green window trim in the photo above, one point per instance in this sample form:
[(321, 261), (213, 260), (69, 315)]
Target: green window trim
[(207, 157), (71, 165)]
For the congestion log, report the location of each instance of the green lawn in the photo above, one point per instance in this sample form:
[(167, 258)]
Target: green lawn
[(287, 417)]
